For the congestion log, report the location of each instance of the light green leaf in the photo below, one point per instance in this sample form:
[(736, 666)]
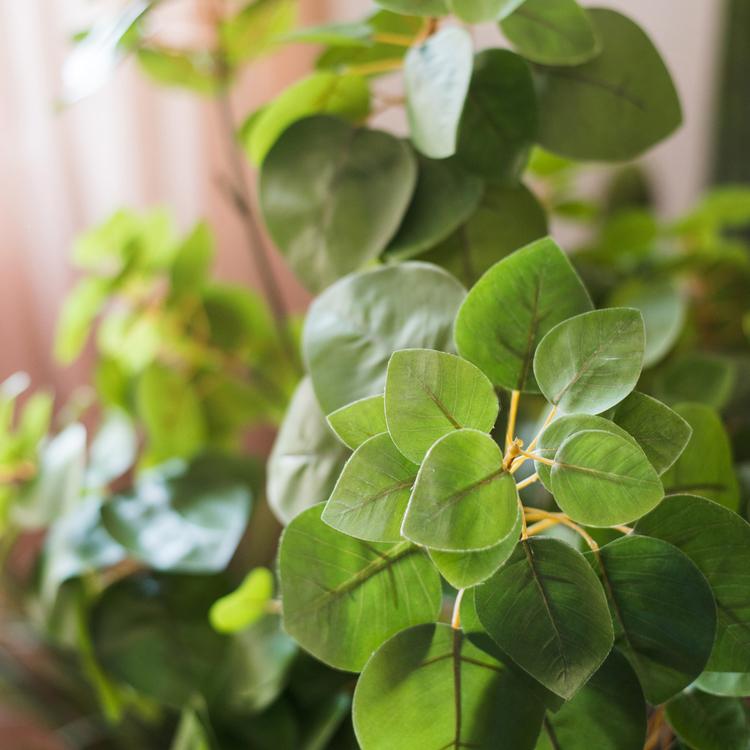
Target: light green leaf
[(725, 683), (436, 77), (510, 309), (429, 394), (602, 479), (613, 107), (370, 497), (707, 722), (190, 70), (705, 467), (445, 196), (257, 29), (463, 498), (306, 458), (717, 540), (77, 317), (478, 11), (416, 7), (662, 433), (433, 687), (245, 605), (592, 361), (334, 195), (359, 421), (663, 610), (193, 732), (353, 328), (466, 569), (347, 96), (699, 376), (334, 585), (500, 119), (546, 609), (552, 32), (192, 261), (354, 34)]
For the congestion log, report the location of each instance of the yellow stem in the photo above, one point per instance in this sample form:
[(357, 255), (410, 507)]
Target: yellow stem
[(510, 433), (378, 66), (547, 421), (624, 529), (456, 619), (537, 528), (400, 40), (533, 514), (535, 457), (526, 482)]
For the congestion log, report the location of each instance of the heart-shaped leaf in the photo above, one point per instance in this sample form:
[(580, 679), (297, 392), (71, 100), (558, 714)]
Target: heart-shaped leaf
[(359, 421)]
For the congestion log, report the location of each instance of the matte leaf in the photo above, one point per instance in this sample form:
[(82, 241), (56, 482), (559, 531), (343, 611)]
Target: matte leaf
[(592, 361), (717, 540), (478, 11), (353, 328), (661, 432), (306, 458), (707, 722), (256, 29), (429, 394), (602, 479), (370, 497), (436, 77), (510, 309), (500, 119), (552, 32), (433, 687), (334, 585), (415, 7), (705, 467), (113, 450), (663, 610), (613, 107), (245, 605), (334, 195), (699, 376), (463, 498), (546, 609), (359, 421)]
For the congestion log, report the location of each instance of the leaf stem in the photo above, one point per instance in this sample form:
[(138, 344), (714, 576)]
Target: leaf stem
[(526, 482), (378, 66), (536, 457), (624, 529), (540, 526), (510, 433), (534, 514), (550, 417), (399, 40), (456, 618)]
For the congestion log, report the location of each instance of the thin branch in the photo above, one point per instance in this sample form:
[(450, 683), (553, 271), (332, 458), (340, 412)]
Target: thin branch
[(526, 482), (510, 433)]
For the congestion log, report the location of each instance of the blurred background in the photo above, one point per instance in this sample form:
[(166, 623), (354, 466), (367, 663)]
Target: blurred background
[(133, 144)]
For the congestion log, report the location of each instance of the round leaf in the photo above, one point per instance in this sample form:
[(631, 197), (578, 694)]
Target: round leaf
[(707, 722), (602, 479), (592, 361), (429, 394), (359, 421)]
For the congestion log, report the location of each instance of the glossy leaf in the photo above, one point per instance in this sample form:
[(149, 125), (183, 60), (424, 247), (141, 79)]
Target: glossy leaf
[(334, 585), (429, 394), (512, 307), (592, 361), (359, 421), (546, 609), (707, 722), (433, 687), (245, 605), (613, 107), (334, 195), (725, 683), (353, 328), (602, 479), (415, 7), (463, 499), (717, 540), (552, 32), (306, 458), (370, 497), (499, 120), (436, 77), (705, 467), (663, 610), (478, 11)]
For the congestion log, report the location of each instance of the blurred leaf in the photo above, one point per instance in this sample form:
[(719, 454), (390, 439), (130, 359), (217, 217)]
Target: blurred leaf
[(698, 376), (708, 722), (113, 450), (190, 70), (245, 605), (257, 29), (416, 7), (477, 11), (77, 316)]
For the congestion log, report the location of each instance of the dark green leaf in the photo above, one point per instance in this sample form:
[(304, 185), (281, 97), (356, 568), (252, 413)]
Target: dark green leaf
[(707, 722), (701, 377), (359, 421)]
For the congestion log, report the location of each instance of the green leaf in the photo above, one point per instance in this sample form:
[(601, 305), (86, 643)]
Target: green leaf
[(436, 77), (256, 30), (192, 261), (306, 458), (478, 11), (662, 433), (601, 479), (113, 450), (185, 518), (347, 96), (707, 722), (334, 195), (508, 217), (359, 421), (613, 107), (429, 394), (433, 687), (445, 196), (353, 328), (77, 317), (592, 361), (663, 308), (725, 683), (245, 605), (463, 498), (354, 34), (552, 32), (500, 119), (193, 71), (612, 694), (466, 569), (370, 497), (334, 585), (416, 7), (717, 540), (705, 467), (546, 609), (510, 309), (663, 610), (699, 376), (193, 731)]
